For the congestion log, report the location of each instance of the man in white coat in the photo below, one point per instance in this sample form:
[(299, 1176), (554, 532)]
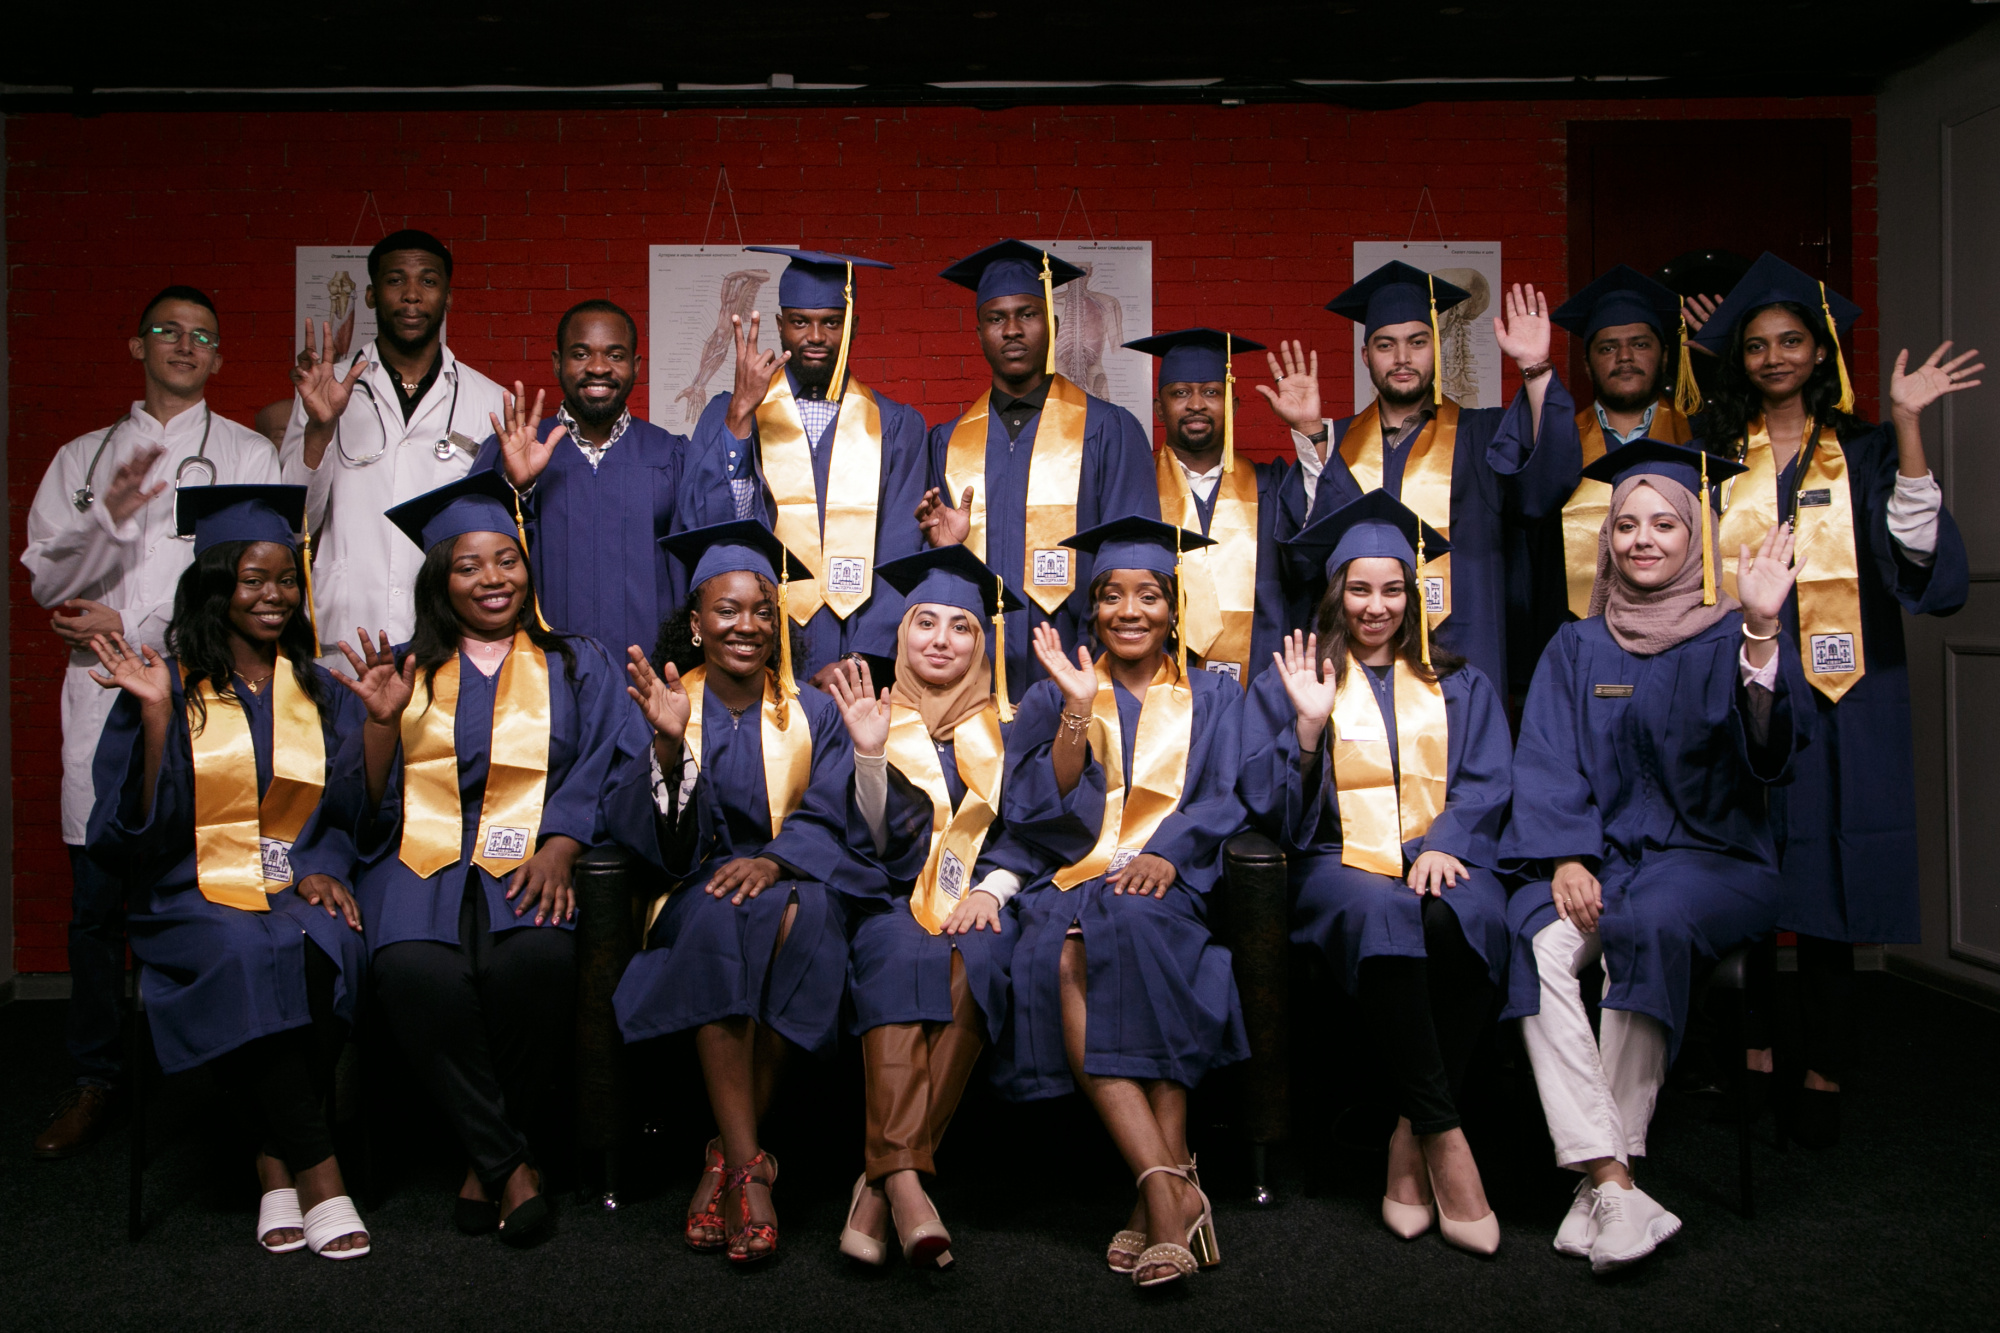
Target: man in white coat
[(103, 556), (401, 417)]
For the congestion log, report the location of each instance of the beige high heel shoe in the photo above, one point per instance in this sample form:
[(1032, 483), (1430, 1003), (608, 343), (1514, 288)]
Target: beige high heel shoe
[(1481, 1236), (1202, 1249), (927, 1244), (1408, 1220), (856, 1244), (1128, 1245)]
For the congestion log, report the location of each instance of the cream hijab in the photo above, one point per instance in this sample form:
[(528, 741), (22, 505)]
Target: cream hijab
[(1646, 621), (943, 707)]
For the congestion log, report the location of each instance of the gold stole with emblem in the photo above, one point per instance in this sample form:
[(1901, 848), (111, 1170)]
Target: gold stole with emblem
[(956, 835), (1134, 809), (1590, 503), (1829, 586), (1426, 483), (1221, 580), (842, 558), (1377, 813), (1054, 471), (242, 845), (517, 774), (787, 744)]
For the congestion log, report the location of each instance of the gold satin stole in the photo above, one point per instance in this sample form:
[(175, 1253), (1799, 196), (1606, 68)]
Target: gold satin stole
[(1221, 580), (1135, 807), (1378, 814), (956, 835), (842, 555), (1055, 470), (242, 845), (1426, 484), (1589, 504)]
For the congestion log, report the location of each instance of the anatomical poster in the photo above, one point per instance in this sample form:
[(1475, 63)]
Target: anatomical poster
[(692, 292), (1112, 303), (332, 281)]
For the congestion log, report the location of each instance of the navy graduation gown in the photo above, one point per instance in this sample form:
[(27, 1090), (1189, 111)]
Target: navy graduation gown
[(1281, 599), (1117, 480), (1847, 823), (716, 459), (1351, 914), (593, 535), (708, 959), (597, 756), (1501, 470), (1161, 996), (215, 977), (1663, 791), (898, 972)]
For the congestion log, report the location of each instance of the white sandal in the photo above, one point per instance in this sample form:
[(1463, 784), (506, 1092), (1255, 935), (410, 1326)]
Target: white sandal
[(278, 1210), (1202, 1249), (328, 1222)]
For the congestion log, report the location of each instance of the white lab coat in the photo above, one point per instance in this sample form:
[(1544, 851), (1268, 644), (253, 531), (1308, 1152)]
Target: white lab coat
[(364, 568), (132, 568)]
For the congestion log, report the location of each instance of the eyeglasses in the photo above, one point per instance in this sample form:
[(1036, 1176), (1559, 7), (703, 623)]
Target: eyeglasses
[(169, 334)]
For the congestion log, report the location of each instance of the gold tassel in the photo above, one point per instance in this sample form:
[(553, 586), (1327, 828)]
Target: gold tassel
[(1707, 538), (1000, 699), (1049, 309), (1846, 403), (1437, 372), (836, 386), (521, 533), (1180, 607), (1228, 402), (788, 686), (1423, 602), (312, 616), (1687, 394)]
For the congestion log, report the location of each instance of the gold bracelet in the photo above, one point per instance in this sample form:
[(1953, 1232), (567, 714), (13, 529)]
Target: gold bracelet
[(1761, 638), (1072, 724)]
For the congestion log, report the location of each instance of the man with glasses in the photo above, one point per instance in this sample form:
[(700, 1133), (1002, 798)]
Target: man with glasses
[(103, 556), (401, 416)]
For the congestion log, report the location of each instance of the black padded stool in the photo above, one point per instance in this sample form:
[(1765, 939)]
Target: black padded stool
[(611, 889), (1253, 917)]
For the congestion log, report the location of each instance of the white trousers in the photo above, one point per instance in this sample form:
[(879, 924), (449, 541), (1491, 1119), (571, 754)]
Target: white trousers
[(1598, 1095)]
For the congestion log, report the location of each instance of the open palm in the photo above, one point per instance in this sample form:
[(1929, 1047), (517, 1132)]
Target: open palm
[(521, 452), (1764, 580), (1077, 680), (1911, 393), (142, 674), (383, 689), (321, 389), (1299, 667), (660, 696)]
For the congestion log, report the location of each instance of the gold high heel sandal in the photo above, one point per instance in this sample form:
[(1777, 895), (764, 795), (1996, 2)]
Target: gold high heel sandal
[(1202, 1250)]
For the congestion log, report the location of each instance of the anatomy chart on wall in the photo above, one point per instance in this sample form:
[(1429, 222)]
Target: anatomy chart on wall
[(692, 290), (1112, 303), (332, 280), (1471, 354)]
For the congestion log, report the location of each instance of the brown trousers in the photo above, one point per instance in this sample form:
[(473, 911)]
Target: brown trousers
[(916, 1074)]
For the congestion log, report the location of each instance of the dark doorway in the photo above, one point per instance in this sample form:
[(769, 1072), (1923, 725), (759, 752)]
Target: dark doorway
[(1643, 191)]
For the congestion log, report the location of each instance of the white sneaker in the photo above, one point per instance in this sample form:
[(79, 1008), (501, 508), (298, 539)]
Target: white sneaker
[(1579, 1225), (1630, 1226)]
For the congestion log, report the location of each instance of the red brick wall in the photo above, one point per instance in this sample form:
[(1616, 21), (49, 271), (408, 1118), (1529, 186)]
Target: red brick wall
[(1252, 211)]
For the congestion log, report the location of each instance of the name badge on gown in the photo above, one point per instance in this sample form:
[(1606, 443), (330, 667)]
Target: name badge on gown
[(1816, 499), (277, 858), (1612, 691), (1363, 734), (506, 844), (1051, 568)]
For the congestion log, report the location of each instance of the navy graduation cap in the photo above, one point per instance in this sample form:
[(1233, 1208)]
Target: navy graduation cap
[(1377, 524), (1011, 268), (1624, 295), (816, 279), (741, 546), (478, 502), (1769, 281), (215, 514), (1201, 356), (950, 576), (1396, 293), (1656, 458), (1137, 542)]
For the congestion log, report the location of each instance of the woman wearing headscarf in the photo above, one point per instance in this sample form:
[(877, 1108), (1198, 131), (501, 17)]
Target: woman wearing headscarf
[(213, 793), (1383, 765), (496, 753), (927, 971), (1121, 778), (1876, 541), (1649, 736), (751, 786)]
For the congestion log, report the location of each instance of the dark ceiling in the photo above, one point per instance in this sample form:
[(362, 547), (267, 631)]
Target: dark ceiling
[(898, 51)]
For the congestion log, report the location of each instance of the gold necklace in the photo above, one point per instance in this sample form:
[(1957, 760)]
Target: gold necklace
[(256, 686)]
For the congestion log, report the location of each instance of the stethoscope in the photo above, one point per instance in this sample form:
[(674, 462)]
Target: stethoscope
[(85, 496), (442, 450)]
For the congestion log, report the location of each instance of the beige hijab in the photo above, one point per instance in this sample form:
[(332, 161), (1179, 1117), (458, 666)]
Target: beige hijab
[(943, 706), (1646, 621)]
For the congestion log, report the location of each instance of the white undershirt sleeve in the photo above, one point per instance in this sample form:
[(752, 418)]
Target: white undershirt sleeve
[(1002, 884), (871, 795), (1913, 516)]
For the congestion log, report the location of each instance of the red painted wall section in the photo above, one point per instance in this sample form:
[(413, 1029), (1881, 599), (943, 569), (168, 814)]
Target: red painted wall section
[(1252, 211)]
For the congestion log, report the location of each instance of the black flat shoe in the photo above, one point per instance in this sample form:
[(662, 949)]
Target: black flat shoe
[(528, 1223), (475, 1217)]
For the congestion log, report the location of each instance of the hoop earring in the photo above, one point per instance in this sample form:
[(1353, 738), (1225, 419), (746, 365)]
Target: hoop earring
[(697, 639)]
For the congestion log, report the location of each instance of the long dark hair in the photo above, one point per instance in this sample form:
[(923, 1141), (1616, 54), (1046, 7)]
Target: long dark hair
[(1331, 626), (198, 636), (676, 640), (1167, 581), (437, 635), (1723, 424)]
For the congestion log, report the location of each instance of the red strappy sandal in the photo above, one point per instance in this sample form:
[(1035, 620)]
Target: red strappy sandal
[(739, 1178), (709, 1218)]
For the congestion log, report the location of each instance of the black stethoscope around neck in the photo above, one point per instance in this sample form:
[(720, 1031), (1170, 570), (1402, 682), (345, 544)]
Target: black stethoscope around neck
[(84, 496), (442, 450)]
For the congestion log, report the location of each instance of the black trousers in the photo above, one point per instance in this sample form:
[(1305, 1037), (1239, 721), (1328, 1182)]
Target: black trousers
[(96, 970), (1826, 1002), (283, 1079), (1426, 1015), (488, 1026)]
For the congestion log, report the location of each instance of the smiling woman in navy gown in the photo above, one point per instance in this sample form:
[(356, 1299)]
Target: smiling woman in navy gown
[(213, 793)]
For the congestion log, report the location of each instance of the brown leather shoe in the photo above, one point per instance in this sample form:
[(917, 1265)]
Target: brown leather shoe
[(81, 1118)]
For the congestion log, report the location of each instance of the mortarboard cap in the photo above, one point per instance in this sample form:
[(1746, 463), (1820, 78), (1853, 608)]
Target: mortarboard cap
[(1201, 356), (477, 502), (1137, 542), (1769, 281), (1622, 296), (815, 279), (950, 576), (1010, 268), (1676, 462), (1377, 524), (1395, 293), (742, 546), (216, 514)]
